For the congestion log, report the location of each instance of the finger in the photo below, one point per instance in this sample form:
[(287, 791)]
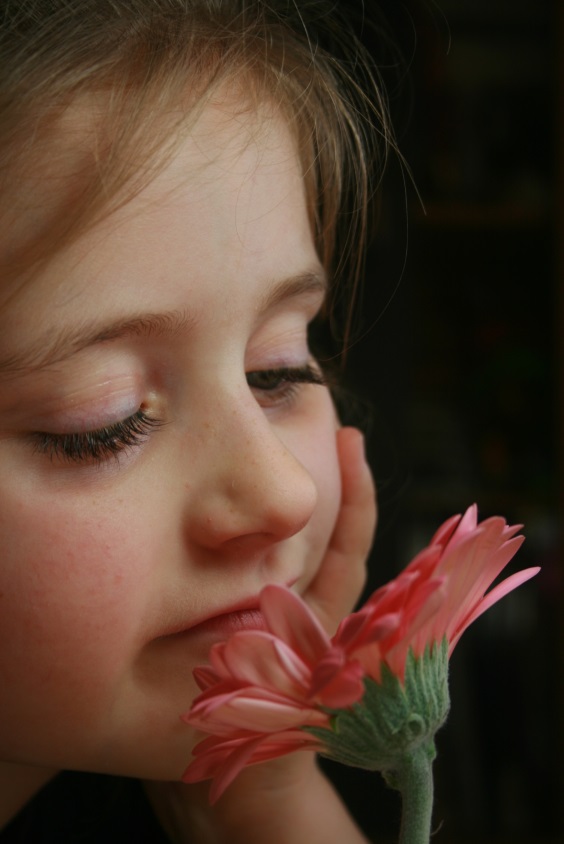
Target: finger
[(341, 577)]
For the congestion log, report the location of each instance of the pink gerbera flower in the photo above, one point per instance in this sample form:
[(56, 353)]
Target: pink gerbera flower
[(375, 692), (264, 686)]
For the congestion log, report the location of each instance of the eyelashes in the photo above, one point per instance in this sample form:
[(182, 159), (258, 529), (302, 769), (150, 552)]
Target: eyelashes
[(283, 383), (272, 387), (96, 446)]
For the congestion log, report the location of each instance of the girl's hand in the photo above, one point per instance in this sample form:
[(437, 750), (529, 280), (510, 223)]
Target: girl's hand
[(288, 800), (342, 574)]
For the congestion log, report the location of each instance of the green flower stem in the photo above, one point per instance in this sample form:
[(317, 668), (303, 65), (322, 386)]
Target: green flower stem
[(414, 779), (392, 730)]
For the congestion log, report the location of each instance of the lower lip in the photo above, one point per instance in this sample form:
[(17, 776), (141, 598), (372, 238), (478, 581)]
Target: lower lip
[(232, 622), (221, 627)]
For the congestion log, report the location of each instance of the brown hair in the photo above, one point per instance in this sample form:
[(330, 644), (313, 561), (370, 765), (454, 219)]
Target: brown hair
[(139, 69)]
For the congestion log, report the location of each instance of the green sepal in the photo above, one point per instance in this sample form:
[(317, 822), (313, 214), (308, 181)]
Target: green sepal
[(393, 719)]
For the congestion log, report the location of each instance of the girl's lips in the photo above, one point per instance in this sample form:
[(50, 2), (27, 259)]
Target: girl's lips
[(226, 624), (177, 652), (242, 615), (218, 628)]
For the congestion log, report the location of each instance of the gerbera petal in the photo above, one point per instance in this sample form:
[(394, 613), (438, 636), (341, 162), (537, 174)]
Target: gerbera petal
[(471, 569), (361, 628), (232, 764), (245, 712), (206, 706), (424, 563), (424, 617), (226, 758), (205, 676), (290, 619), (293, 665), (338, 685), (445, 531), (260, 659), (467, 524), (492, 597)]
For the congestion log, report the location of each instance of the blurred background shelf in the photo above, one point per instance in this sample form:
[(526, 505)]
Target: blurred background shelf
[(462, 372), (458, 214)]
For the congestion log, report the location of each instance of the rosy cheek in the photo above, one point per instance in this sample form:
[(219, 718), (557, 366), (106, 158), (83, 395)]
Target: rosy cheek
[(67, 592), (76, 583)]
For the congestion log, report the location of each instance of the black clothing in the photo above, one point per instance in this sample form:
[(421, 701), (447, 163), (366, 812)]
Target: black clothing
[(78, 808)]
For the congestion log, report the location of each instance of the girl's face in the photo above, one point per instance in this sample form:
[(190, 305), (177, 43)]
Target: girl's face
[(164, 454)]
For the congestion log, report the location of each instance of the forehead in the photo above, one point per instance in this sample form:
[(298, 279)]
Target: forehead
[(78, 169), (228, 149), (229, 202)]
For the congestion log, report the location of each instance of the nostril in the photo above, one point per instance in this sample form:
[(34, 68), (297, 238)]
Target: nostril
[(269, 500)]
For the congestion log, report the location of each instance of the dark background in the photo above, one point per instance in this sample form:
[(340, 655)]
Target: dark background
[(459, 363)]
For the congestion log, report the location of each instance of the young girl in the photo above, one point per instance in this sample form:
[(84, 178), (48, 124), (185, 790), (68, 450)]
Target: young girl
[(184, 182)]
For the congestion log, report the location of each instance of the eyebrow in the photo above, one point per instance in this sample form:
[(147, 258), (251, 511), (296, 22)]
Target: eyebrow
[(51, 350)]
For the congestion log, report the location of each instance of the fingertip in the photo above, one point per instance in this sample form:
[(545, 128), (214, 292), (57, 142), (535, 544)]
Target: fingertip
[(351, 443), (355, 470), (358, 483)]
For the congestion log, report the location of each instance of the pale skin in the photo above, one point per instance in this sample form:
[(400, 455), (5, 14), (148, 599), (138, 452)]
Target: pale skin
[(188, 308)]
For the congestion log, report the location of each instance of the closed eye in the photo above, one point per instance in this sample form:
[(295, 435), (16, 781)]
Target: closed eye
[(283, 383), (96, 446)]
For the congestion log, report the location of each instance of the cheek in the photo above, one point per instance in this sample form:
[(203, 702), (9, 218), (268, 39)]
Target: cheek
[(70, 592), (317, 451)]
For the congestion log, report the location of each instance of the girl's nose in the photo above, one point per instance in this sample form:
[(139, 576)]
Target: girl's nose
[(251, 489)]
